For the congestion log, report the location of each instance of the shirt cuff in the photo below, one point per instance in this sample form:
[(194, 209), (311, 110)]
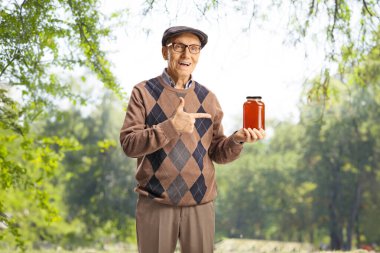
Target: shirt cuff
[(168, 129), (236, 142)]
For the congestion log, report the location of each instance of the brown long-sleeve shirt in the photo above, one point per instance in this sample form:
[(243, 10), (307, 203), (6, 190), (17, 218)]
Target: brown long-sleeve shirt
[(173, 168)]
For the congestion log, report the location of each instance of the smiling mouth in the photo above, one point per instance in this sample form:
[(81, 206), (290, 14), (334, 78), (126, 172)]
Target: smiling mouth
[(185, 64)]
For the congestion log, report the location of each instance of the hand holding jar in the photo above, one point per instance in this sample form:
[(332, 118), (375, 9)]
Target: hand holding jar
[(253, 121)]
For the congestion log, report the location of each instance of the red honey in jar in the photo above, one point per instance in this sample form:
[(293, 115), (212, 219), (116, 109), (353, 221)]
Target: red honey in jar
[(254, 113)]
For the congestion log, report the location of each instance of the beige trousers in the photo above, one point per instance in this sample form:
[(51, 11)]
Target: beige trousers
[(159, 227)]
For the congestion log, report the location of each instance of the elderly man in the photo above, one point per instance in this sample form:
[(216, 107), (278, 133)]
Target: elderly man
[(173, 126)]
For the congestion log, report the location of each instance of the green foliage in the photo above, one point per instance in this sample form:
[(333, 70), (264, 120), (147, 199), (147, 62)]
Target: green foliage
[(41, 43), (331, 25), (349, 28), (315, 180), (22, 176), (85, 191), (263, 188), (98, 179), (341, 153), (64, 181)]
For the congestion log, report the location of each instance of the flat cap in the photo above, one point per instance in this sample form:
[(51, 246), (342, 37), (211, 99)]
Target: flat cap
[(177, 30)]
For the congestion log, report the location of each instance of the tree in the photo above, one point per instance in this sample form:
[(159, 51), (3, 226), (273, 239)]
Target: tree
[(341, 148), (318, 177), (331, 25), (41, 44), (98, 179), (264, 194)]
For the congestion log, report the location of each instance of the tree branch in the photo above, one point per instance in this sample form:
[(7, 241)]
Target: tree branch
[(335, 19), (10, 62), (202, 11), (252, 15), (312, 5), (18, 48), (366, 8), (149, 8), (21, 18)]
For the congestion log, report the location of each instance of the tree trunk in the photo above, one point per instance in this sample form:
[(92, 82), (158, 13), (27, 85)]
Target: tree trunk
[(354, 214), (311, 236), (357, 232), (336, 234), (336, 237), (300, 236)]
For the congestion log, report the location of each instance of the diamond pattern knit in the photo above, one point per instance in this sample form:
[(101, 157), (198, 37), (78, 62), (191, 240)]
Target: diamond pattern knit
[(173, 168), (179, 155)]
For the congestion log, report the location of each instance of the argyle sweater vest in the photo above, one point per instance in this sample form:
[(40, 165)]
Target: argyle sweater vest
[(173, 168)]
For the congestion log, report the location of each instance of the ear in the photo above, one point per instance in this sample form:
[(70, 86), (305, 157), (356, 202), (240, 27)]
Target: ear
[(165, 53)]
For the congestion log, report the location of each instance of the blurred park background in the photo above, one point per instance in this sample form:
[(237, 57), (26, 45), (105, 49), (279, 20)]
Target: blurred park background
[(66, 70)]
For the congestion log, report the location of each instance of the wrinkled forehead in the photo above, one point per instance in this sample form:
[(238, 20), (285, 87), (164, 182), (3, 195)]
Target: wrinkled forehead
[(187, 38)]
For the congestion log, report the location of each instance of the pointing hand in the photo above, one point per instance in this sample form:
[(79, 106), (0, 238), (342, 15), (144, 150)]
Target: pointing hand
[(183, 121)]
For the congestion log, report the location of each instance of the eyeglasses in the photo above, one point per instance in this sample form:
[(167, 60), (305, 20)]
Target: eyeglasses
[(180, 48)]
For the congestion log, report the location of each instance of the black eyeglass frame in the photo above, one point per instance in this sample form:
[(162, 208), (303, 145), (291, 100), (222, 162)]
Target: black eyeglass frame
[(184, 46)]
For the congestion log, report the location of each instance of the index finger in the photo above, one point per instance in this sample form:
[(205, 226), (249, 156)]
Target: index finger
[(201, 115)]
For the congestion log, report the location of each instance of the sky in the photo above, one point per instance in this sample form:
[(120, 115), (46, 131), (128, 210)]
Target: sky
[(234, 64)]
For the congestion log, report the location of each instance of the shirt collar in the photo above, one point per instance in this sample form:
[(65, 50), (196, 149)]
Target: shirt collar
[(170, 81)]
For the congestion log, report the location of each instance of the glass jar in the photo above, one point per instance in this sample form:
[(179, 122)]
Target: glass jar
[(254, 113)]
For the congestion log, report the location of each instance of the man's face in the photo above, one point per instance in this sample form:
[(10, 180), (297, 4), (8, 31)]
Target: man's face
[(181, 65)]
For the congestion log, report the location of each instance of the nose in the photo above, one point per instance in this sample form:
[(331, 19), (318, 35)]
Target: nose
[(186, 52)]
